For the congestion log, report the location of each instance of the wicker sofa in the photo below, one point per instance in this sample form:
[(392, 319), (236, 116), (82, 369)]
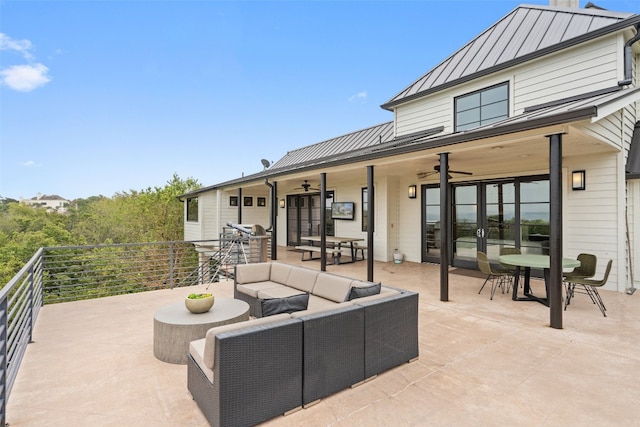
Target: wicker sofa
[(249, 372)]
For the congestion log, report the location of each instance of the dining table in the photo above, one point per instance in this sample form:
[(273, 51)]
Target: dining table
[(337, 243), (529, 261)]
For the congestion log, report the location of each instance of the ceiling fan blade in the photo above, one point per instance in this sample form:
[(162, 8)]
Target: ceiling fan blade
[(461, 172)]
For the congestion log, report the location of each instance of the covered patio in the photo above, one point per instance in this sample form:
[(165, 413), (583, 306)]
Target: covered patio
[(481, 362)]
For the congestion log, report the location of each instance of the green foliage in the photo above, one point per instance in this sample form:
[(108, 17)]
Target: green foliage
[(150, 215)]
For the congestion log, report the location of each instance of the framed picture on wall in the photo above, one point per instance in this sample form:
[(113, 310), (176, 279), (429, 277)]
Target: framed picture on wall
[(233, 201), (248, 201), (262, 201)]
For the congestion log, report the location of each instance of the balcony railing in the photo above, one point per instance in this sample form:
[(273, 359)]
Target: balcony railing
[(71, 273)]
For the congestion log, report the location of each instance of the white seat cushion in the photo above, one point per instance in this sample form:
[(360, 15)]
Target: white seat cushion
[(252, 289), (281, 292), (196, 350)]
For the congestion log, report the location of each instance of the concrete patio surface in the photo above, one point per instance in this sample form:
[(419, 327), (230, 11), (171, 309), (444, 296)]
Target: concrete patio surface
[(481, 362)]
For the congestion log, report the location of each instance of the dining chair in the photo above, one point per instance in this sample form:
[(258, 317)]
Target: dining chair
[(511, 269), (586, 269), (590, 287), (498, 277)]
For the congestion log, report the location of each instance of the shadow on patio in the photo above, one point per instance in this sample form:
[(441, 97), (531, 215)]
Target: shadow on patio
[(481, 362)]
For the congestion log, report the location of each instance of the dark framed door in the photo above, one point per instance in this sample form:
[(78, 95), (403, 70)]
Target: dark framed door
[(303, 216), (487, 216)]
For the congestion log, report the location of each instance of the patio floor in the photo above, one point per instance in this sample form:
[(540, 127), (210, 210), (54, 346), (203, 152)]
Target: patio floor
[(481, 362)]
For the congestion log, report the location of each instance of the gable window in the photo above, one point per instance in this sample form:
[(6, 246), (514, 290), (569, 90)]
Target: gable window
[(481, 108), (192, 209)]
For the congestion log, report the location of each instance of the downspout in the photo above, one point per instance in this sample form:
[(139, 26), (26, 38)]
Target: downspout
[(628, 54), (273, 189)]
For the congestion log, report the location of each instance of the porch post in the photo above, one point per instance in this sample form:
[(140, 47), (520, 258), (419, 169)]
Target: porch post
[(555, 231), (240, 205), (444, 226), (274, 221), (370, 223), (323, 221)]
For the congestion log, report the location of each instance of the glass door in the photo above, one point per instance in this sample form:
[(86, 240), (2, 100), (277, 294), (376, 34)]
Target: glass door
[(303, 216), (488, 216), (466, 233)]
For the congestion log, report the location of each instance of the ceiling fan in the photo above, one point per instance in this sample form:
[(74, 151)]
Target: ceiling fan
[(436, 169), (306, 187)]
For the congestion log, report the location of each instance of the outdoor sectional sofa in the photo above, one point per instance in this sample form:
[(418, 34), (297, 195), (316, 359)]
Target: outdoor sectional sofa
[(248, 372)]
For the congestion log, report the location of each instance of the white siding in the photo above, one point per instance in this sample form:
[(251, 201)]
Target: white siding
[(592, 217), (582, 69)]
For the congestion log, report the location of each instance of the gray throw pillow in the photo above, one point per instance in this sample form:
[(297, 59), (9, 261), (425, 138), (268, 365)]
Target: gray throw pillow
[(364, 291), (273, 306)]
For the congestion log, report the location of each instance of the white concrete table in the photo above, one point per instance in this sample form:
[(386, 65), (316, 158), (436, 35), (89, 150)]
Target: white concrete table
[(174, 327)]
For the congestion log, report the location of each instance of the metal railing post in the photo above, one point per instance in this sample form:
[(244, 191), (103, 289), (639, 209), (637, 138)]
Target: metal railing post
[(171, 265)]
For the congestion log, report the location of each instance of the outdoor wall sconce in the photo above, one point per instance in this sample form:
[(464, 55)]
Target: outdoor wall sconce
[(412, 191), (578, 179), (282, 203)]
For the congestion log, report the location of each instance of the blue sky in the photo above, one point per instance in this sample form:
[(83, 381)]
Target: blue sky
[(102, 97)]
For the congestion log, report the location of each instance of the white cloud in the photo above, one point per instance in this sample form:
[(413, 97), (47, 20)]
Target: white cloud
[(360, 96), (29, 163), (21, 46), (25, 78)]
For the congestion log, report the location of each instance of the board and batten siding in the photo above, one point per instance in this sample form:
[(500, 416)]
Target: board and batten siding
[(573, 71), (592, 217)]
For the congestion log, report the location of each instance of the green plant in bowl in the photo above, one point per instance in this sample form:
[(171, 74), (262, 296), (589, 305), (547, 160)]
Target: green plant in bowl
[(199, 303)]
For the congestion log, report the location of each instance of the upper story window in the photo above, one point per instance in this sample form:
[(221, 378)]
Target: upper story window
[(192, 209), (482, 107)]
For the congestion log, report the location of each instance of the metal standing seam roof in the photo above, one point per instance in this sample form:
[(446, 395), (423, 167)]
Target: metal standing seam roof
[(339, 145), (526, 31)]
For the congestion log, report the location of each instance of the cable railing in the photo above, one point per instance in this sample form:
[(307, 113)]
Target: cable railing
[(71, 273)]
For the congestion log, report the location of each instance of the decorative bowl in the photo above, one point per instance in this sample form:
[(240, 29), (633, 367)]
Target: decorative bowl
[(199, 303)]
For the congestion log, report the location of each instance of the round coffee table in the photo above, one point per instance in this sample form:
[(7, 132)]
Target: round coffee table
[(174, 327)]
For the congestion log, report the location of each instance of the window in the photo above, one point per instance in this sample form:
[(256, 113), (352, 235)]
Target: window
[(482, 107), (192, 209), (365, 209)]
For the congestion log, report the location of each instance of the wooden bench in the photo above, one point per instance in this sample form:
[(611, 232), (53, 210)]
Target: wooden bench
[(317, 249)]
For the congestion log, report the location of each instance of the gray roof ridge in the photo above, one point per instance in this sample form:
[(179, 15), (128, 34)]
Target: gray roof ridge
[(417, 86), (340, 136)]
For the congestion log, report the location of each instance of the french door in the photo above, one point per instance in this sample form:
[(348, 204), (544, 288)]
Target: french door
[(303, 216), (487, 216)]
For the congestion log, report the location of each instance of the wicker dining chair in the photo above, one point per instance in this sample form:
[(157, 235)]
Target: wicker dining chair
[(590, 287), (497, 277)]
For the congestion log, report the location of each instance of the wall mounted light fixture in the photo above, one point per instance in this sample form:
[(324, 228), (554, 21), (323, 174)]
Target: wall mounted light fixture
[(412, 192), (578, 180), (282, 203)]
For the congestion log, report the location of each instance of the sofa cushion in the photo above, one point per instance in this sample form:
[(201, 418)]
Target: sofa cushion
[(281, 292), (280, 272), (316, 302), (332, 287), (249, 273), (364, 291), (209, 352), (302, 278), (291, 304), (196, 350), (252, 289), (320, 308)]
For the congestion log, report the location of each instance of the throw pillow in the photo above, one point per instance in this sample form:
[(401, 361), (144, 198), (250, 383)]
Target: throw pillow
[(284, 305), (364, 291)]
